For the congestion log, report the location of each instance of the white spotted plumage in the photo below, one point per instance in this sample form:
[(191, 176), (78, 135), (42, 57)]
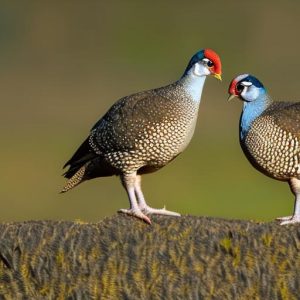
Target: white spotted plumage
[(269, 135), (143, 132)]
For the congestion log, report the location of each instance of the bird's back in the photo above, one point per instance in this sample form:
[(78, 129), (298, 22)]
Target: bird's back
[(272, 143)]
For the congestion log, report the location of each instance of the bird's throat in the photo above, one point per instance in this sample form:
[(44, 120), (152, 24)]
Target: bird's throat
[(193, 85)]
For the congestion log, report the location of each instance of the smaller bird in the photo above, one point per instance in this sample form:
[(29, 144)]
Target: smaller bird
[(143, 132), (270, 135)]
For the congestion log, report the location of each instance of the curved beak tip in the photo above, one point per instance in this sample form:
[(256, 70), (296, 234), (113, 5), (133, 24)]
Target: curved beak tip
[(218, 76), (231, 96)]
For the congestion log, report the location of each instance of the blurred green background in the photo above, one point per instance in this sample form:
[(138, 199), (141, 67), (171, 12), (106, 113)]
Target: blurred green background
[(63, 64)]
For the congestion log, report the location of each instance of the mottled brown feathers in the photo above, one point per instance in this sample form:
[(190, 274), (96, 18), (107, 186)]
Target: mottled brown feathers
[(287, 116), (141, 132), (146, 128)]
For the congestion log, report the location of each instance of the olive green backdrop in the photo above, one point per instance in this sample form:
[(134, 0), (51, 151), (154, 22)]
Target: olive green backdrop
[(63, 63)]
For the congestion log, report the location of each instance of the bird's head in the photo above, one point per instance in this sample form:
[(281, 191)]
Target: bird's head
[(205, 62), (246, 87)]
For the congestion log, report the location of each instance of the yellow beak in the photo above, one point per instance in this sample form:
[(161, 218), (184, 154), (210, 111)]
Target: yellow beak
[(231, 97), (218, 76)]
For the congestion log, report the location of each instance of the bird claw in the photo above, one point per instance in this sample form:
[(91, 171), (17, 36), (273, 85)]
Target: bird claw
[(292, 220), (135, 213), (156, 211)]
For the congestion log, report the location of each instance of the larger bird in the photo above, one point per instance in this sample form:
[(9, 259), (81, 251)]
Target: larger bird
[(143, 132), (270, 135)]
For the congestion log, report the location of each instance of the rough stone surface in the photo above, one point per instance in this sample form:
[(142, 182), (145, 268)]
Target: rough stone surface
[(175, 258)]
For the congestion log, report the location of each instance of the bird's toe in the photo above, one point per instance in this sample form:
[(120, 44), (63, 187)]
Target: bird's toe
[(136, 213), (293, 220), (156, 211)]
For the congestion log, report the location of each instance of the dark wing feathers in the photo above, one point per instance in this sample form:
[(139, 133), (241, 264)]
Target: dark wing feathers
[(117, 130), (80, 153), (287, 116), (83, 155), (127, 119)]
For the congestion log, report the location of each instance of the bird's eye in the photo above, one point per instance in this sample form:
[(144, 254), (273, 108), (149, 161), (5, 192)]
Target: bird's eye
[(239, 88), (210, 63)]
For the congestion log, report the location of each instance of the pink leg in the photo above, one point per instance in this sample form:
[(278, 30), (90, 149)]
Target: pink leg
[(142, 202), (128, 181), (295, 218)]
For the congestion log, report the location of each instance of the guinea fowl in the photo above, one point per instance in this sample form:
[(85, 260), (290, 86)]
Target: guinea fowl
[(143, 132), (270, 135)]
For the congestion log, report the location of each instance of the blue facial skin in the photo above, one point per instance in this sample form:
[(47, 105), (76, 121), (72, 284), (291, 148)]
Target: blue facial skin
[(253, 106), (197, 57), (193, 84)]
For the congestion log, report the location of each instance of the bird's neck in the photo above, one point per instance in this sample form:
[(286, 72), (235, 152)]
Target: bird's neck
[(193, 85), (251, 111)]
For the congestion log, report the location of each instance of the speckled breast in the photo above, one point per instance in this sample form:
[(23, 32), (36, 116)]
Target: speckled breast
[(163, 141), (272, 150), (160, 142)]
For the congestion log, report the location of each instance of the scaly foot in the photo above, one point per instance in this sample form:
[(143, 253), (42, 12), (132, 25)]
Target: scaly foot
[(292, 220), (149, 210), (135, 213)]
